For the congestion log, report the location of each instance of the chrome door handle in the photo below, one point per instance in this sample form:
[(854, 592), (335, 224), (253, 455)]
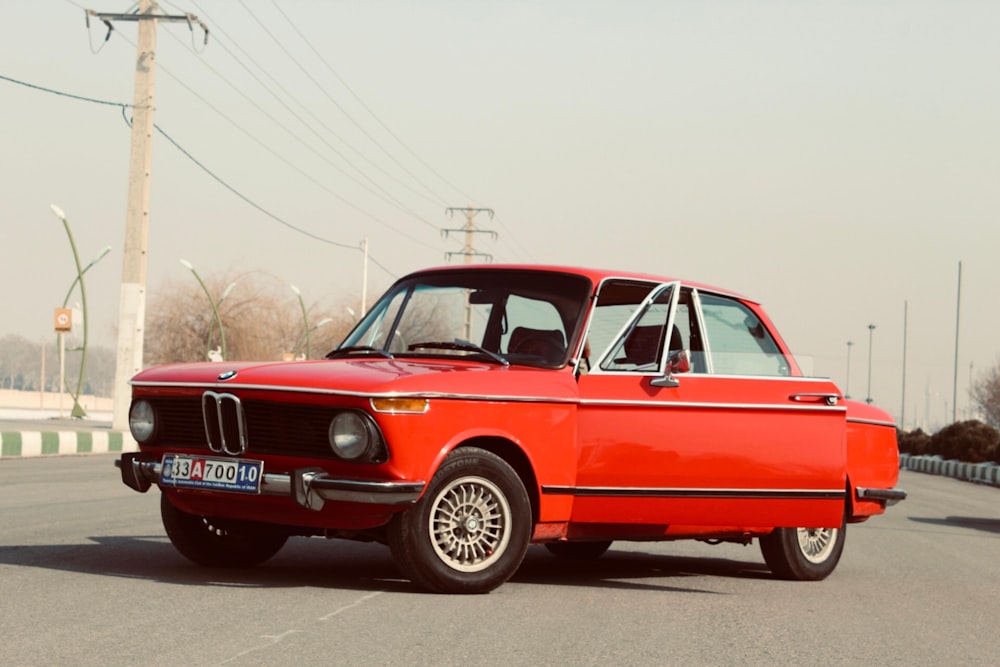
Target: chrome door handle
[(829, 399)]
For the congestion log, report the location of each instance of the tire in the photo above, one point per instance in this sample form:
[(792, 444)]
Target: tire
[(803, 554), (578, 550), (219, 542), (470, 530)]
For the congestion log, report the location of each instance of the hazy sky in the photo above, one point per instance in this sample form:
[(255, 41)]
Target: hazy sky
[(832, 160)]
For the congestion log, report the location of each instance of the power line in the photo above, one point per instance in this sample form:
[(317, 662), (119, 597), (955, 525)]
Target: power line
[(201, 165), (288, 162), (367, 108), (386, 197), (438, 201), (65, 94)]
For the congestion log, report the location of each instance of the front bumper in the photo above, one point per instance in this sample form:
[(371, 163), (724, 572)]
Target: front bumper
[(309, 487)]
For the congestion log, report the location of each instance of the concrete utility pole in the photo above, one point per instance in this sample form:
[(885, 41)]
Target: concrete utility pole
[(132, 308), (958, 312), (470, 229)]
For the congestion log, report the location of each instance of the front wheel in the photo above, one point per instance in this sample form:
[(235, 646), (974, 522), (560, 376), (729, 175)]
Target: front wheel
[(804, 554), (470, 530), (219, 542)]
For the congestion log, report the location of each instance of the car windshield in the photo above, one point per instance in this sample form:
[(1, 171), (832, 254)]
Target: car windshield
[(503, 316)]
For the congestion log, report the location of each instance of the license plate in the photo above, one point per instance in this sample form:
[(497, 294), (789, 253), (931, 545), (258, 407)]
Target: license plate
[(211, 474)]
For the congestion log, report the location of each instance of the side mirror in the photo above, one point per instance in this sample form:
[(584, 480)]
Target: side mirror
[(679, 361)]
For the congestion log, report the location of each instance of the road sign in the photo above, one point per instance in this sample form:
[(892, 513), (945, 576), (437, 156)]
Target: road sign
[(64, 320)]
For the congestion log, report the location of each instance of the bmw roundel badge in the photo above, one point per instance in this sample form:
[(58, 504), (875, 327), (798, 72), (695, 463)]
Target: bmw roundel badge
[(228, 375)]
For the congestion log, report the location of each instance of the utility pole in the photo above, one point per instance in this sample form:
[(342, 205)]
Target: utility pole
[(958, 312), (902, 400), (470, 230), (132, 306)]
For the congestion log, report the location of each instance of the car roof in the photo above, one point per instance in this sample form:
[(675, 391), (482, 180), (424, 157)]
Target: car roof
[(596, 276)]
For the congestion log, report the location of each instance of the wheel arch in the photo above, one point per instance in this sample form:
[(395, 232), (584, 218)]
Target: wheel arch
[(515, 457)]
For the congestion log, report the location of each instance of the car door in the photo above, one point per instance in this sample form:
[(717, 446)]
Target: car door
[(739, 440)]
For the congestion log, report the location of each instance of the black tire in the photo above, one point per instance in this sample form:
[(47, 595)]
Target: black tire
[(578, 550), (219, 542), (803, 554), (470, 530)]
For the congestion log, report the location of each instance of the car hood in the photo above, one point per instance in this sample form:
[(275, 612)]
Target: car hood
[(369, 376)]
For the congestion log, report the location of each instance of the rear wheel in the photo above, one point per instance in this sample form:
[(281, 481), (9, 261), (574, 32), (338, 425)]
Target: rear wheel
[(578, 550), (805, 554), (470, 530), (219, 542)]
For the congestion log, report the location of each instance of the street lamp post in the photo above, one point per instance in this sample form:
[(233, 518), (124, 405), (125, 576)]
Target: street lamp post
[(847, 383), (78, 412), (218, 304), (871, 331), (305, 335), (305, 323), (215, 306)]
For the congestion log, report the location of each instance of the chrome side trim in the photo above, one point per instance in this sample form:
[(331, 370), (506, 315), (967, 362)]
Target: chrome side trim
[(872, 422), (716, 406), (654, 492), (361, 394)]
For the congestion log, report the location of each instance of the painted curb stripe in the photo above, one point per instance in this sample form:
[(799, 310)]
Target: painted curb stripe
[(53, 443)]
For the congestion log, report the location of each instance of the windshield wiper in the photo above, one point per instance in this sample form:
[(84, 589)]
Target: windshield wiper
[(459, 345), (352, 349)]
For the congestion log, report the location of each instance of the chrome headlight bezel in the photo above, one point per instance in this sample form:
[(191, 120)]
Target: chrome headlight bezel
[(142, 421), (354, 436)]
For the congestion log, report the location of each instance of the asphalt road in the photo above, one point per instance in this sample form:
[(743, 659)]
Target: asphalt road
[(87, 578)]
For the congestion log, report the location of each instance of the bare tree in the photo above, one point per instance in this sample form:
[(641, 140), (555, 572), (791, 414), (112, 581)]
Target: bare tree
[(261, 321), (21, 366), (986, 395)]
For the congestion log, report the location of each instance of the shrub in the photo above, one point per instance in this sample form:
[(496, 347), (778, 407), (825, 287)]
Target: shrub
[(915, 442), (971, 441)]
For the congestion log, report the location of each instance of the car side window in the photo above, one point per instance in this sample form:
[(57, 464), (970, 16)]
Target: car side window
[(739, 342), (641, 347)]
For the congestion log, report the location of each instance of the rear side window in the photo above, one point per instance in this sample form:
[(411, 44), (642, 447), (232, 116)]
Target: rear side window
[(740, 344)]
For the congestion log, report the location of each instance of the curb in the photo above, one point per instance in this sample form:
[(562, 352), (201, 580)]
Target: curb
[(979, 473), (52, 443)]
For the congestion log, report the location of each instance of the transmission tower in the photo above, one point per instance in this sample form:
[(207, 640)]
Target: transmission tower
[(470, 230)]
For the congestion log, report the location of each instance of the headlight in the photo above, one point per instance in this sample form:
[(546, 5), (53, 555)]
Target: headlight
[(142, 421), (352, 435)]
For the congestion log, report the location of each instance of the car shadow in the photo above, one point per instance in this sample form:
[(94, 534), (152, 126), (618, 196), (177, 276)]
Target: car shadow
[(302, 562), (633, 570), (976, 523), (341, 564)]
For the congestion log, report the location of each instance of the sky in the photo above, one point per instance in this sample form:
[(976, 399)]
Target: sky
[(835, 161)]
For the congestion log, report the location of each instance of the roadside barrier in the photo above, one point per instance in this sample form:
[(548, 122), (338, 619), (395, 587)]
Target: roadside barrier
[(980, 473), (52, 443)]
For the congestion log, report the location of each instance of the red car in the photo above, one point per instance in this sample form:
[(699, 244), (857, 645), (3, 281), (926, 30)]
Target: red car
[(478, 409)]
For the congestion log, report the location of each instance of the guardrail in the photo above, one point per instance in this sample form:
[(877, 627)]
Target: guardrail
[(980, 473)]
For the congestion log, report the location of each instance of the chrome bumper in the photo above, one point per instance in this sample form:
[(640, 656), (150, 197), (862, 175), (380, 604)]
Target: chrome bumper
[(888, 496), (309, 487)]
